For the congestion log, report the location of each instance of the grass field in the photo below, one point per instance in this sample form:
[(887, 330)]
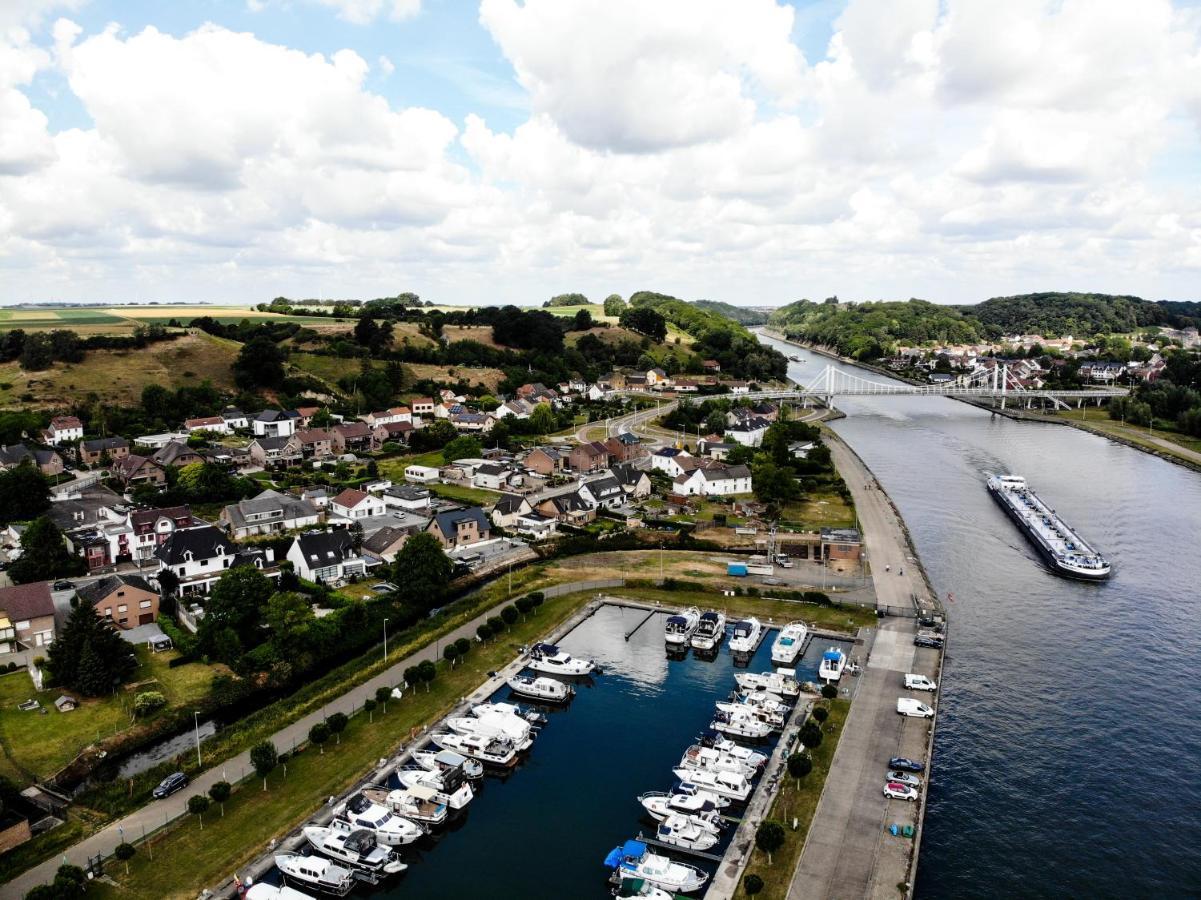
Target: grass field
[(464, 494), (37, 745), (820, 509), (1098, 420), (120, 375), (331, 368), (123, 319)]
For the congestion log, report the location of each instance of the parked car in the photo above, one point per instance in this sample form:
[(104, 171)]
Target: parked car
[(894, 790), (919, 683), (905, 764), (904, 778), (907, 706), (931, 642), (169, 785)]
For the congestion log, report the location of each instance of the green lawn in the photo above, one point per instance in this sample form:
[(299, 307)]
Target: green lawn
[(477, 496), (1098, 420), (36, 745), (801, 804), (820, 509), (394, 467)]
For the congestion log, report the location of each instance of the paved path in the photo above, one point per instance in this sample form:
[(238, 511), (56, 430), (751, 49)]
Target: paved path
[(160, 812)]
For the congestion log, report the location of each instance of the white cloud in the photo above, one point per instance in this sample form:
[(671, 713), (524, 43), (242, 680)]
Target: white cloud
[(364, 12)]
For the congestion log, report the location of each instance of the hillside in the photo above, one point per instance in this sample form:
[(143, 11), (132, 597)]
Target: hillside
[(740, 314), (1054, 314), (869, 330)]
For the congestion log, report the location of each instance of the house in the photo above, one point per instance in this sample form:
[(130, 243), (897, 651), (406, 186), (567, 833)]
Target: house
[(545, 461), (664, 460), (234, 418), (712, 480), (353, 437), (518, 409), (63, 430), (635, 381), (748, 432), (765, 410), (634, 482), (125, 600), (155, 441), (686, 386), (315, 443), (317, 496), (423, 406), (590, 457), (48, 461), (199, 556), (460, 527), (133, 470), (841, 547), (385, 543), (303, 415), (388, 416), (176, 454), (472, 422), (491, 476), (213, 424), (605, 491), (352, 504), (407, 497), (536, 526), (276, 452), (392, 431), (508, 508), (449, 396), (714, 449), (570, 508), (91, 453), (26, 617), (145, 529), (596, 392), (656, 376), (625, 447), (445, 410), (738, 387), (326, 556), (711, 366), (268, 513), (274, 423), (421, 474)]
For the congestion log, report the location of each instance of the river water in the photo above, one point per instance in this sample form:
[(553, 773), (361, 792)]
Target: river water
[(1068, 756)]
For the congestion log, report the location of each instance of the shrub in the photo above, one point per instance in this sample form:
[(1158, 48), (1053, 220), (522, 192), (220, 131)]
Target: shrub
[(509, 615), (147, 702), (811, 735), (829, 691), (752, 884), (820, 713)]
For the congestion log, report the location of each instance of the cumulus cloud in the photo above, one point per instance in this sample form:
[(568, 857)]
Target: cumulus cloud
[(363, 12)]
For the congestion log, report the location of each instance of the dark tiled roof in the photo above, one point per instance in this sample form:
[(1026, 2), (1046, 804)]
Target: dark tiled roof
[(102, 444), (27, 601), (202, 543), (323, 548), (447, 520), (96, 591)]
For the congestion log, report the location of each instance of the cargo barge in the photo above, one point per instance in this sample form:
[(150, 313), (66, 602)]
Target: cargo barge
[(1064, 551)]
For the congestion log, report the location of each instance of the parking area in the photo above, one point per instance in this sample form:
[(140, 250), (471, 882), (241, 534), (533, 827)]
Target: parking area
[(488, 554)]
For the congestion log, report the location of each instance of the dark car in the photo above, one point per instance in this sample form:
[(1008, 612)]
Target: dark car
[(63, 586), (170, 785), (905, 764), (922, 641)]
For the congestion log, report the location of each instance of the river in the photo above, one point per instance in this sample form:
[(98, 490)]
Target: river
[(1068, 754)]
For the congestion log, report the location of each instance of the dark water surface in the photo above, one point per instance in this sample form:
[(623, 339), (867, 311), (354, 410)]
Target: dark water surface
[(1068, 756), (544, 831)]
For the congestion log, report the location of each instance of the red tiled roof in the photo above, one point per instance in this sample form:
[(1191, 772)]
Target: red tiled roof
[(27, 601), (350, 498)]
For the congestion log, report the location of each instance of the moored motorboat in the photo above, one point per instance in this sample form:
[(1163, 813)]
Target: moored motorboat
[(549, 659), (752, 758), (746, 636), (452, 786), (545, 690), (688, 832), (724, 784), (511, 728), (510, 709), (440, 760), (678, 629), (420, 804), (633, 860), (264, 891), (390, 829), (832, 664), (789, 643), (355, 847), (660, 804), (700, 757), (640, 889), (740, 722), (316, 873), (765, 702), (782, 683), (492, 751), (710, 630)]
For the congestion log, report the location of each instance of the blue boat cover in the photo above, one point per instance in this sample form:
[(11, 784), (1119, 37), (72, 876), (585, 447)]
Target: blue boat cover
[(832, 655), (677, 620), (548, 649)]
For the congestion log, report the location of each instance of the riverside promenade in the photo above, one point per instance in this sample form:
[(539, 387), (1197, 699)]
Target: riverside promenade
[(849, 851)]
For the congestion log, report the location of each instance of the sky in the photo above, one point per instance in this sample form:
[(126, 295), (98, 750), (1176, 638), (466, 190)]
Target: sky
[(504, 151)]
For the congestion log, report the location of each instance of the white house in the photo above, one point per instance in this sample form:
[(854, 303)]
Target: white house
[(595, 392), (267, 513), (326, 556), (518, 409), (352, 504), (748, 432), (664, 460), (407, 497), (274, 423), (422, 474), (738, 387), (211, 424), (389, 416), (536, 526), (491, 476), (605, 491), (423, 406), (63, 429), (198, 557), (234, 418), (508, 509), (714, 480)]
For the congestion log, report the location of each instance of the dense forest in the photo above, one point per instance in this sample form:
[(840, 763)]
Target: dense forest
[(740, 314), (1059, 314)]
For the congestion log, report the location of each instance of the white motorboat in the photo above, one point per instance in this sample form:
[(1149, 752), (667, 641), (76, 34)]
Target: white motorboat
[(659, 804), (710, 630), (549, 659), (832, 664), (691, 789), (356, 847), (634, 860), (789, 643), (316, 872), (545, 690), (782, 683), (515, 730), (452, 786), (724, 784), (739, 706), (740, 722), (752, 758), (678, 629), (698, 757), (390, 829), (638, 889), (747, 635), (510, 709), (419, 804), (770, 705), (687, 832), (492, 751), (441, 760), (264, 891)]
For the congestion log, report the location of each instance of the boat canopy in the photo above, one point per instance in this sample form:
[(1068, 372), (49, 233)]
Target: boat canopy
[(422, 792), (832, 655), (548, 649), (449, 758), (709, 616), (628, 850), (676, 620)]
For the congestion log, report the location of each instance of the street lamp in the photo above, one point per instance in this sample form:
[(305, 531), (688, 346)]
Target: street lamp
[(196, 722), (385, 640)]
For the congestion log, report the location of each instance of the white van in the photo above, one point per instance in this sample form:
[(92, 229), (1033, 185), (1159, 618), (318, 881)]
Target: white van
[(907, 706)]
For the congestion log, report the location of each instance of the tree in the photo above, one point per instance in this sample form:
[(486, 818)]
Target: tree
[(582, 321), (769, 838), (88, 655), (337, 724), (450, 653), (384, 693), (483, 632), (412, 676), (437, 433), (811, 735), (318, 735), (463, 646), (799, 765), (219, 793), (423, 571), (235, 605), (524, 606), (24, 493), (205, 482), (614, 305), (260, 364), (198, 805), (293, 623), (510, 615), (44, 555), (369, 707), (37, 354), (820, 714), (774, 484), (125, 852), (427, 672), (715, 422), (462, 447), (829, 691), (542, 419), (264, 758), (497, 624), (752, 884), (646, 321)]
